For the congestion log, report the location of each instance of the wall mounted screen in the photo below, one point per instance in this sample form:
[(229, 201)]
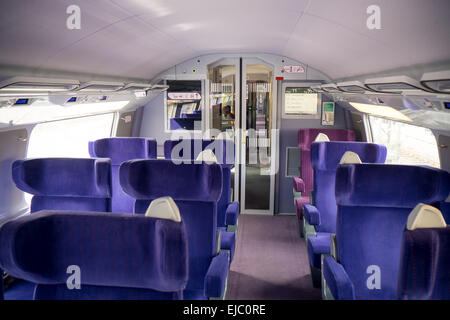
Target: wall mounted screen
[(300, 102)]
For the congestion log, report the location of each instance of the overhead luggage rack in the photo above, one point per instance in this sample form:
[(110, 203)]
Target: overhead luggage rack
[(30, 85), (437, 81), (395, 85), (352, 87), (330, 87), (100, 86)]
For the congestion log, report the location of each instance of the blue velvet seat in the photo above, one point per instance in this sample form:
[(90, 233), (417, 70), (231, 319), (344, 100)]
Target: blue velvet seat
[(424, 272), (65, 183), (227, 211), (320, 219), (196, 189), (120, 150), (374, 201), (119, 256)]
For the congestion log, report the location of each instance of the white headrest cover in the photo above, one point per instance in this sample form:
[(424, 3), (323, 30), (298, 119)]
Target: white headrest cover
[(322, 137), (207, 156), (163, 208), (350, 157), (425, 216)]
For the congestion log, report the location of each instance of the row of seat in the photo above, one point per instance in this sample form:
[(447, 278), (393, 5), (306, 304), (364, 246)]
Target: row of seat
[(123, 186), (354, 227)]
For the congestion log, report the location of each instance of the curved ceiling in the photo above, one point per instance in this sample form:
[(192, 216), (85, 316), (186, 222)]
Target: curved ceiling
[(141, 38)]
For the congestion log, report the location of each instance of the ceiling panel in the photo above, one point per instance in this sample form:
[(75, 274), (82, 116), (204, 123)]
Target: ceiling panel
[(140, 38)]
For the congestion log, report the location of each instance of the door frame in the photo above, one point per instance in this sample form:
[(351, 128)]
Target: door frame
[(242, 140)]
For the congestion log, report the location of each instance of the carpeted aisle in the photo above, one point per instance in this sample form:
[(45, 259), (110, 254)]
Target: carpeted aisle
[(271, 261)]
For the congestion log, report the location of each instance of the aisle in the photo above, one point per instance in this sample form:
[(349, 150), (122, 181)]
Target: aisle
[(271, 261)]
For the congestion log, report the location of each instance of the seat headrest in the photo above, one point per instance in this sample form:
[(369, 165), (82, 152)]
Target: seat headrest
[(164, 208), (327, 155), (123, 149), (350, 157), (64, 177), (425, 216), (111, 249), (150, 179), (187, 150), (207, 156), (307, 136), (322, 137), (389, 185)]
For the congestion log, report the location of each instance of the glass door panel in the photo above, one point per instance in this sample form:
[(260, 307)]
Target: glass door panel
[(257, 180)]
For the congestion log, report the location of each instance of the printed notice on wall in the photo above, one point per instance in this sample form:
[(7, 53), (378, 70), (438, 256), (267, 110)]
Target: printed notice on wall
[(328, 113), (299, 101)]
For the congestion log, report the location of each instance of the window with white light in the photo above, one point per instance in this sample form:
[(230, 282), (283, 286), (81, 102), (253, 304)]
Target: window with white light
[(406, 144), (68, 138)]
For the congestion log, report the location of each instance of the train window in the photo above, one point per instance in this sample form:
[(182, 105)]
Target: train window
[(184, 105), (406, 144), (68, 138)]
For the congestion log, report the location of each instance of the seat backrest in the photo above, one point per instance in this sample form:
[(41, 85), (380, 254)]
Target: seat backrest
[(325, 157), (195, 188), (305, 138), (374, 201), (120, 150), (65, 183), (223, 149), (111, 251), (425, 264)]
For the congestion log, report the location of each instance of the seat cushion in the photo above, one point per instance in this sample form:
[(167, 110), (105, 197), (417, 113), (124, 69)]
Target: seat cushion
[(299, 206), (317, 246)]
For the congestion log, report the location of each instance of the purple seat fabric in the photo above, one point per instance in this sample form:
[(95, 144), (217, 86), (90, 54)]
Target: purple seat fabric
[(305, 138), (425, 264), (374, 201), (65, 183), (188, 150), (120, 150), (195, 188), (118, 255)]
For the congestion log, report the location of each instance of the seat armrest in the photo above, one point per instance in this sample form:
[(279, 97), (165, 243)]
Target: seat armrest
[(311, 214), (216, 277), (337, 280), (299, 185), (232, 214)]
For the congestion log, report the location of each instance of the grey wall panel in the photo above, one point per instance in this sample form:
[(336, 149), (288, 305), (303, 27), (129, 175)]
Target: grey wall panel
[(152, 125), (13, 147), (289, 138)]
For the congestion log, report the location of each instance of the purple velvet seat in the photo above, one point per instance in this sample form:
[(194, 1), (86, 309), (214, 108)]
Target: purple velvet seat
[(119, 256), (325, 157), (65, 183), (374, 201), (120, 150), (305, 138), (425, 264), (227, 211), (196, 189)]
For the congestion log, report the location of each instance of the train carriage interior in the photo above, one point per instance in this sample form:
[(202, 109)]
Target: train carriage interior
[(225, 150)]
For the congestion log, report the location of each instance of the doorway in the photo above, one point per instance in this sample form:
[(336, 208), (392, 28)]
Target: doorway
[(241, 105)]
